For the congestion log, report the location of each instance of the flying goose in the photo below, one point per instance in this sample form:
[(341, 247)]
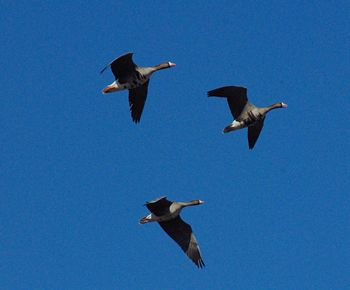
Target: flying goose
[(167, 214), (129, 76), (245, 114)]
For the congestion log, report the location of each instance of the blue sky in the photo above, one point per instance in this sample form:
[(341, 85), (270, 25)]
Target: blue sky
[(75, 171)]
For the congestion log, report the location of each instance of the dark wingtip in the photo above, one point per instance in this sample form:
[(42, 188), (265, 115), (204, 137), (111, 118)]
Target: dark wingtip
[(135, 117), (217, 93), (200, 264), (103, 69)]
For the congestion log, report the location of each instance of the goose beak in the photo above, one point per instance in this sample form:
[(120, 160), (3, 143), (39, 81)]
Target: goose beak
[(171, 64), (284, 105), (201, 201)]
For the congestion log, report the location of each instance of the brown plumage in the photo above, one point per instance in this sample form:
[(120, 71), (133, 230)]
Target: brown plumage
[(245, 114), (167, 214), (129, 76)]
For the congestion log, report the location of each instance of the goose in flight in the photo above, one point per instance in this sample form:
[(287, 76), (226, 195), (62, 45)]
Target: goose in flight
[(167, 214), (129, 76), (245, 114)]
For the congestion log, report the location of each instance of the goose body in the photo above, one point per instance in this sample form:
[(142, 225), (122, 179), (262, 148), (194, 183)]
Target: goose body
[(135, 79), (167, 214), (245, 114)]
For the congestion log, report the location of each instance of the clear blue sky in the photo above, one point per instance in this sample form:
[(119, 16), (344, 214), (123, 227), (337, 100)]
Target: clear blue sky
[(75, 171)]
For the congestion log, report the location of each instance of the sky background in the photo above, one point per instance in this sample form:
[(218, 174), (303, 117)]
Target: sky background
[(76, 171)]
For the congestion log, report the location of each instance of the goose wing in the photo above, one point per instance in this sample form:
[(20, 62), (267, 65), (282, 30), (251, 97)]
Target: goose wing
[(160, 206), (137, 100), (254, 132), (182, 234), (236, 98), (122, 67)]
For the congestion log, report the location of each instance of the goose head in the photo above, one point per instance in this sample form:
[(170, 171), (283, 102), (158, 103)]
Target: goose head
[(192, 202), (198, 201), (164, 65)]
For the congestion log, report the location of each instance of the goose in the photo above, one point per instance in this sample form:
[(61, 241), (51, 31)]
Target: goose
[(167, 214), (245, 114), (129, 76)]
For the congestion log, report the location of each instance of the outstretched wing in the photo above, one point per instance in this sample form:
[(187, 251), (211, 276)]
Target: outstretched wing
[(122, 67), (137, 100), (182, 234), (160, 206), (236, 98), (254, 132)]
